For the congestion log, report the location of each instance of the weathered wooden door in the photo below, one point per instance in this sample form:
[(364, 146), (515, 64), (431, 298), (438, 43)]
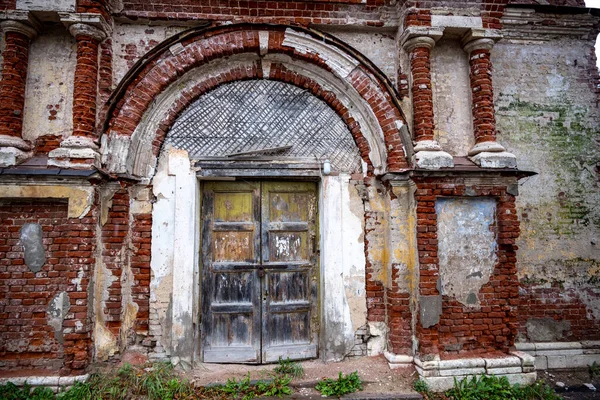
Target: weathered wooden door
[(259, 283)]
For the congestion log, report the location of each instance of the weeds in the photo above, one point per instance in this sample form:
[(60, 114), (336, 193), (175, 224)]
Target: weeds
[(421, 387), (13, 392), (288, 367), (594, 370), (341, 386), (494, 388)]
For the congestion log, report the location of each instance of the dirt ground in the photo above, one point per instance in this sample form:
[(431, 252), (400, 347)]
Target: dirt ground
[(374, 372), (574, 388)]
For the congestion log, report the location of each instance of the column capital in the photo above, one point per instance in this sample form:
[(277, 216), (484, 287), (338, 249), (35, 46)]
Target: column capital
[(80, 29), (480, 39), (425, 35), (18, 27), (419, 41)]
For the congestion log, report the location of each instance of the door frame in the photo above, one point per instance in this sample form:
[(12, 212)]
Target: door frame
[(337, 228), (199, 337)]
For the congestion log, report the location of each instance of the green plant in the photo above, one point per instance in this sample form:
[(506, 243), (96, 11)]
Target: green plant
[(421, 387), (244, 389), (594, 370), (493, 388), (288, 367), (341, 386), (10, 391)]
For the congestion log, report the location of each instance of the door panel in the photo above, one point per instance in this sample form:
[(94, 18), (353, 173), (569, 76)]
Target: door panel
[(289, 259), (259, 271), (231, 285)]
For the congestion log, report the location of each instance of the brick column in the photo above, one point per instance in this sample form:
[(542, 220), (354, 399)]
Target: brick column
[(486, 152), (429, 154), (17, 35), (80, 150)]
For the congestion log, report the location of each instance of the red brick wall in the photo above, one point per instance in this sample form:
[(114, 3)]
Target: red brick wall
[(8, 4), (299, 12), (562, 305), (493, 326), (141, 238), (12, 85), (115, 256), (27, 342)]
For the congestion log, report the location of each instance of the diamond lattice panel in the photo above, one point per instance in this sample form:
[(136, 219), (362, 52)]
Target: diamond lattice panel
[(259, 114)]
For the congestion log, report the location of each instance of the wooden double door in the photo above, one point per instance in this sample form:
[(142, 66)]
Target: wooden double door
[(259, 272)]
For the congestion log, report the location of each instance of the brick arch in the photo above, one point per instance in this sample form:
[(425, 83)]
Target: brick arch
[(358, 92)]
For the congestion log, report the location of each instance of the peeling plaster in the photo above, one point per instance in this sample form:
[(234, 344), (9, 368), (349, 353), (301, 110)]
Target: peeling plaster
[(467, 246), (49, 88), (57, 310), (33, 246)]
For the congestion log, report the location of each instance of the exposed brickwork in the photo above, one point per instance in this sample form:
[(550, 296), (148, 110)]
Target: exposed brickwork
[(263, 11), (94, 6), (86, 86), (105, 80), (115, 255), (8, 4), (27, 342), (420, 66), (562, 305), (417, 17), (47, 143), (399, 317), (158, 75), (492, 326), (12, 85), (482, 93), (375, 289), (141, 239)]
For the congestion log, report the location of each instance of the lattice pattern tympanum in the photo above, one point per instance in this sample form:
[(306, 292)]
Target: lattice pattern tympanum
[(258, 114)]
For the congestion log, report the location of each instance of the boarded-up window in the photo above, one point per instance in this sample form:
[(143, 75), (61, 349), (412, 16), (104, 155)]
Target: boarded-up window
[(466, 246)]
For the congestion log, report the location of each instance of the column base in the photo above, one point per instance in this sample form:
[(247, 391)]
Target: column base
[(10, 156), (434, 159), (13, 150), (502, 159), (76, 152), (440, 374), (397, 361)]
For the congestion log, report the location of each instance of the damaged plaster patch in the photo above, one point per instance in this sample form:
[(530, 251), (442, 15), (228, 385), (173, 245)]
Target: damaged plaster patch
[(467, 246), (57, 310), (431, 309), (33, 247), (546, 329)]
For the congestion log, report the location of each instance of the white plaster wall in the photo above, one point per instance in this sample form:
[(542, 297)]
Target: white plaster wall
[(378, 46), (49, 88), (46, 5), (174, 262), (546, 116), (342, 266), (451, 97), (131, 41)]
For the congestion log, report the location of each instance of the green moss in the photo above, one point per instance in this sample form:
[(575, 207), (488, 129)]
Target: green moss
[(566, 134)]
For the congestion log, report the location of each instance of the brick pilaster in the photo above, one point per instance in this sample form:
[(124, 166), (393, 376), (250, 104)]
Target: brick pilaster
[(12, 91), (487, 152), (482, 92), (80, 150), (429, 154), (419, 49)]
